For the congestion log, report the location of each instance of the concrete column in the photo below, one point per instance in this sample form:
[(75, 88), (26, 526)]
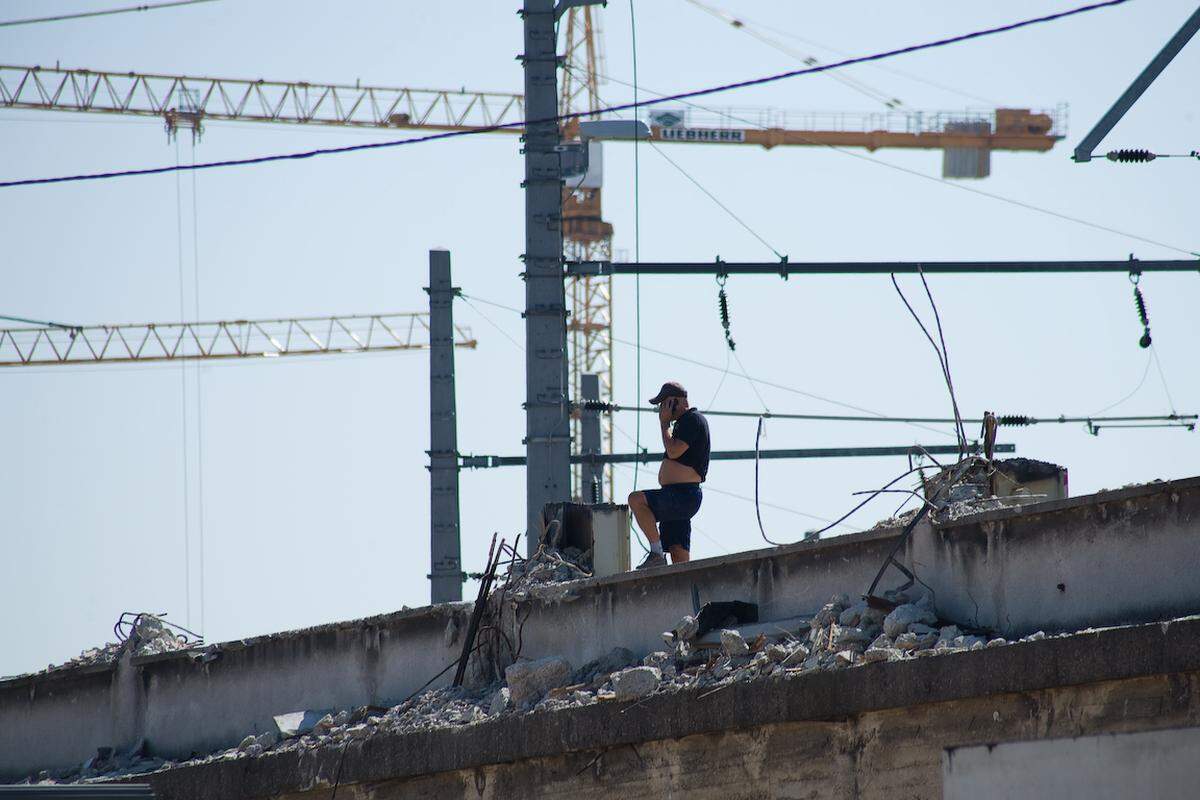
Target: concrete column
[(445, 554), (547, 418), (589, 429)]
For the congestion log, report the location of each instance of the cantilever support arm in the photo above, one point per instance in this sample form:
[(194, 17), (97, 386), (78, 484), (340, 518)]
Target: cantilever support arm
[(1083, 152)]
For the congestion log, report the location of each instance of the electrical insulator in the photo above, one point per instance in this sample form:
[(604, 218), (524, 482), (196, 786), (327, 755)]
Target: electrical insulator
[(1131, 156)]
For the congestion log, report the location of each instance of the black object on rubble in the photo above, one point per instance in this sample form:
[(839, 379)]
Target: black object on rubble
[(725, 614)]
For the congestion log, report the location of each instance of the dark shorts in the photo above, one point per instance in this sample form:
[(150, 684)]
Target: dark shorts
[(673, 508)]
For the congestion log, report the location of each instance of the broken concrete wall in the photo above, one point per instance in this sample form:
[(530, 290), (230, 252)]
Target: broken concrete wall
[(198, 701), (1120, 557), (1125, 556)]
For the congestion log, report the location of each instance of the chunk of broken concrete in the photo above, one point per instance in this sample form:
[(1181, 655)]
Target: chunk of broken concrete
[(732, 643), (911, 641), (901, 617), (796, 657), (845, 658), (882, 654), (852, 615), (844, 637), (662, 661), (881, 641), (615, 659), (247, 743), (298, 723), (635, 682), (684, 631), (775, 653), (501, 701), (950, 632), (529, 680)]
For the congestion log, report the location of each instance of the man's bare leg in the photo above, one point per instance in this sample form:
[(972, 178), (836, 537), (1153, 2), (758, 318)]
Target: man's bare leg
[(678, 554), (644, 516)]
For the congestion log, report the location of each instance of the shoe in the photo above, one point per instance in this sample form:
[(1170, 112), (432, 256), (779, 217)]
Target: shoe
[(653, 560)]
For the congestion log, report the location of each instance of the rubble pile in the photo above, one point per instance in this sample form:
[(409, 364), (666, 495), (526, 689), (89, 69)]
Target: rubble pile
[(842, 634), (149, 635), (540, 575)]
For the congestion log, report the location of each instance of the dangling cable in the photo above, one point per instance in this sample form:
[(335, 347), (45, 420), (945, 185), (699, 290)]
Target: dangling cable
[(757, 509), (199, 387), (187, 543)]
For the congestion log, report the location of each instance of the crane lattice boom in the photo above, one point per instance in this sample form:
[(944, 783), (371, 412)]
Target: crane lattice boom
[(187, 101), (196, 341)]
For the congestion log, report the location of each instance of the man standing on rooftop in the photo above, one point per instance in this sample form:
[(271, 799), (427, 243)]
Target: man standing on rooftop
[(665, 514)]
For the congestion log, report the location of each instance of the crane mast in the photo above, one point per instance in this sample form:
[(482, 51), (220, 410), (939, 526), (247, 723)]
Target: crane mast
[(586, 235)]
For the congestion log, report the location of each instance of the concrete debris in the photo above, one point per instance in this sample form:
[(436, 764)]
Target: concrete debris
[(664, 662), (902, 616), (733, 645), (599, 670), (543, 575), (297, 723), (530, 680), (636, 682), (685, 631), (149, 636), (842, 635), (501, 701)]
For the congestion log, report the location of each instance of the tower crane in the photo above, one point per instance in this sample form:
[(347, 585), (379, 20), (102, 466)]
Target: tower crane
[(50, 344), (186, 102)]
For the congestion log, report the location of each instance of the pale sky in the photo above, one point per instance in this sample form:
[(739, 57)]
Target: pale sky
[(309, 475)]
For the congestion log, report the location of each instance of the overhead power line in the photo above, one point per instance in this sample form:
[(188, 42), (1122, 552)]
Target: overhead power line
[(1005, 420), (812, 70), (104, 13)]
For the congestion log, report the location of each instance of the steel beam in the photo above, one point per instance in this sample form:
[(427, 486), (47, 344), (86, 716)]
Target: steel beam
[(547, 401), (483, 462), (1083, 152), (445, 548), (786, 269)]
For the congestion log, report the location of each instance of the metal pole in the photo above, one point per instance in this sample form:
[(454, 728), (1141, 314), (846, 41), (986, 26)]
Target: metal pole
[(483, 462), (547, 417), (1083, 152), (445, 548), (591, 488), (785, 269)]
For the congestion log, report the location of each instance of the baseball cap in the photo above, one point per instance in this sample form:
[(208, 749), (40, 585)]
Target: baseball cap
[(669, 389)]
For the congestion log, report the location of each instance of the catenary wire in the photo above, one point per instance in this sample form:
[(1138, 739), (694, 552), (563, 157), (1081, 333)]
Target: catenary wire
[(489, 321), (714, 198), (187, 484), (41, 323), (637, 241), (1015, 420), (1136, 389), (941, 361), (945, 357), (742, 23), (705, 365), (1163, 378), (849, 81), (879, 56), (759, 381), (103, 13), (198, 376)]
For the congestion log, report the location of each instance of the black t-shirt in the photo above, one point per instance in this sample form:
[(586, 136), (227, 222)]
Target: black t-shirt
[(692, 428)]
